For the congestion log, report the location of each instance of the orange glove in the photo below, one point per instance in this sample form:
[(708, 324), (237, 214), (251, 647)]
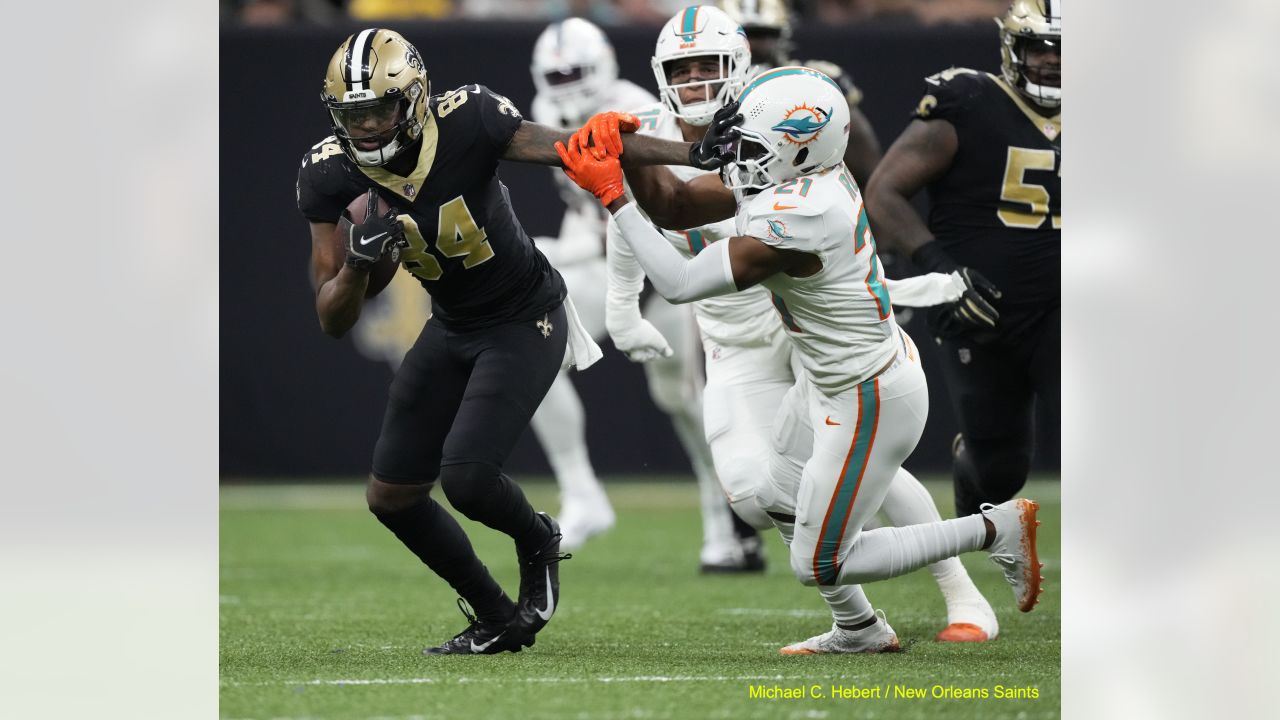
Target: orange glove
[(601, 177), (606, 128)]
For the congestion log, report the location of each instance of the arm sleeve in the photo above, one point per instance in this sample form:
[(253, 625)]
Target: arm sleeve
[(925, 290), (678, 280), (626, 280)]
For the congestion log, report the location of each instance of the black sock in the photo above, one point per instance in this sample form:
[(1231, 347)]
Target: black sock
[(484, 494), (435, 537), (859, 626)]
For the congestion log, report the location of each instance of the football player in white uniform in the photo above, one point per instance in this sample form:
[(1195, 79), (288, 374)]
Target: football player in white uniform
[(576, 75), (859, 403)]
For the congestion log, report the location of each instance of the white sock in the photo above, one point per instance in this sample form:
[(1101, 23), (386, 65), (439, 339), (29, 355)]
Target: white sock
[(849, 605), (560, 426), (909, 503), (889, 552)]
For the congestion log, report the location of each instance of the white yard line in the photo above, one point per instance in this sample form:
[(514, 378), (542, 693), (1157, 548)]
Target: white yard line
[(567, 680)]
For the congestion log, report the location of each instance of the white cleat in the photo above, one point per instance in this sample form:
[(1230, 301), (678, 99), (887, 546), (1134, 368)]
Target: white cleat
[(875, 639), (580, 522), (970, 620), (1014, 548)]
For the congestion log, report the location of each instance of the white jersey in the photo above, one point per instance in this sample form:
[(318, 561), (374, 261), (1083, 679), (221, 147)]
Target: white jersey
[(583, 227), (839, 318), (736, 319)]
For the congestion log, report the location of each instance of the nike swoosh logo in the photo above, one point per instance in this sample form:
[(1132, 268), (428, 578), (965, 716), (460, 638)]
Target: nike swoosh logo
[(545, 614), (485, 646), (366, 241), (776, 206), (831, 422)]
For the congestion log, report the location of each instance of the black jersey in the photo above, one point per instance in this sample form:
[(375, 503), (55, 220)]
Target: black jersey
[(465, 244), (998, 207)]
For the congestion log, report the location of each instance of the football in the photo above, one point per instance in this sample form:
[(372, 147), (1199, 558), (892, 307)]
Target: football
[(385, 269)]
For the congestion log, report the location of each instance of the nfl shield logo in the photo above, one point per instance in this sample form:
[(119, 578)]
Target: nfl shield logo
[(408, 190), (965, 356)]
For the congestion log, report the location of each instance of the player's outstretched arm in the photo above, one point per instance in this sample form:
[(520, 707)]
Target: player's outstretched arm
[(923, 152), (534, 143), (720, 269)]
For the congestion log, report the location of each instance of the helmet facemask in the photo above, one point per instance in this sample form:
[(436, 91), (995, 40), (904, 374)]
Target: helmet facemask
[(389, 121), (1048, 91), (716, 91), (574, 68), (576, 91), (754, 157)]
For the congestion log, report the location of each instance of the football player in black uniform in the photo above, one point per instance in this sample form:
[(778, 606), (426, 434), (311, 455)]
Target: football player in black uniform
[(989, 150), (481, 366), (767, 24)]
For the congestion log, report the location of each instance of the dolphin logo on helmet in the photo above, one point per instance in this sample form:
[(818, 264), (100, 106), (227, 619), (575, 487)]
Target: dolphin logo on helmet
[(794, 127)]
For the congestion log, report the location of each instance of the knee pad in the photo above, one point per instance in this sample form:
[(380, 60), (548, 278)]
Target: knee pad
[(468, 486)]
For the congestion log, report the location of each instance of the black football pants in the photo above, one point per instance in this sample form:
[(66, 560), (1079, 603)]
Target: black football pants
[(994, 387)]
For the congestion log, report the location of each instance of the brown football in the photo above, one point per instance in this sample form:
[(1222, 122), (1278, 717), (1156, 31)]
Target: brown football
[(385, 269)]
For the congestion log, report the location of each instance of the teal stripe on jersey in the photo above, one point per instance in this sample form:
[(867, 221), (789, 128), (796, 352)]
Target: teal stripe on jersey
[(696, 242), (785, 313), (783, 72), (826, 567)]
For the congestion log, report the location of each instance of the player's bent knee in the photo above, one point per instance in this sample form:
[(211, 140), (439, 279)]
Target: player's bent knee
[(386, 498), (802, 566), (468, 486)]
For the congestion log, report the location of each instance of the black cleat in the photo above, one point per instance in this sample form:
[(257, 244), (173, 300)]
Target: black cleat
[(539, 583), (481, 638)]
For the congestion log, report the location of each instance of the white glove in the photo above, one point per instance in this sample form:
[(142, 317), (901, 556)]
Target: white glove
[(641, 341)]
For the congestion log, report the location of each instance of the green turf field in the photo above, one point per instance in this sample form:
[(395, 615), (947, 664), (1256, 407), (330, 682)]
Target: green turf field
[(324, 615)]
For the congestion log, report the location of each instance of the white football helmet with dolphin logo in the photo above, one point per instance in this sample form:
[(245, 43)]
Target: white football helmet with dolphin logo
[(698, 31), (795, 122)]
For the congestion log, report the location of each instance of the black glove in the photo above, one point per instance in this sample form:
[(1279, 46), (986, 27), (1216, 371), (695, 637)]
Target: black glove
[(973, 311), (718, 146), (374, 237)]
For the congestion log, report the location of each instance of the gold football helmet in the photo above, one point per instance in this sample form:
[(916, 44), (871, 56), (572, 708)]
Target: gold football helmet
[(1035, 26), (376, 90)]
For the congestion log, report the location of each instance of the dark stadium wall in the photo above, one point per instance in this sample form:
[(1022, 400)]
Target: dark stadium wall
[(296, 403)]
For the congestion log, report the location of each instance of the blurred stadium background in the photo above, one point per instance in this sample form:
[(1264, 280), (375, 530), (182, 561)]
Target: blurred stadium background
[(295, 403)]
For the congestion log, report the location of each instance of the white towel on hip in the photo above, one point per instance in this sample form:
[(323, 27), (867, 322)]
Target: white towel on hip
[(581, 350)]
